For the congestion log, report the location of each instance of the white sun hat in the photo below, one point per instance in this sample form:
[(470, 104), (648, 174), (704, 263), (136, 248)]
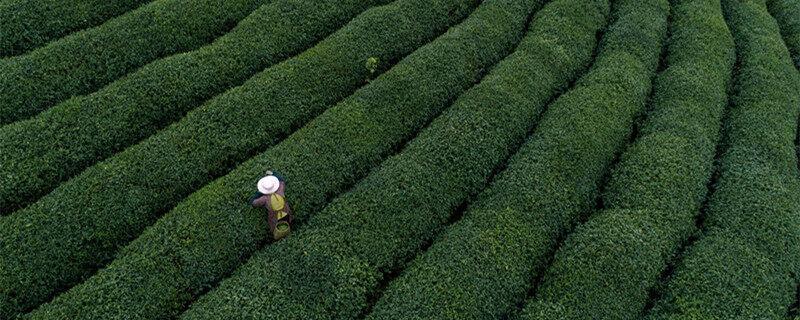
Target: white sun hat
[(268, 185)]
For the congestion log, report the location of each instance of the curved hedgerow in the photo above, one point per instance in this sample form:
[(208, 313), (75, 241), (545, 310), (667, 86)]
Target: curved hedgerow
[(484, 265), (209, 234), (37, 155), (744, 267), (87, 60), (607, 267), (337, 260), (481, 129), (124, 195), (787, 13), (27, 24)]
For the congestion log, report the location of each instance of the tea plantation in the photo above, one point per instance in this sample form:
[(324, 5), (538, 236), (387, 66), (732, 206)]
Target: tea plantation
[(443, 159)]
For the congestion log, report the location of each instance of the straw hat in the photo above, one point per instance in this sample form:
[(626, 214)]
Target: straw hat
[(268, 185)]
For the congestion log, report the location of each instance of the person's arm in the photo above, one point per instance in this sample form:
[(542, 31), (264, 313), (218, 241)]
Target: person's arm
[(257, 200)]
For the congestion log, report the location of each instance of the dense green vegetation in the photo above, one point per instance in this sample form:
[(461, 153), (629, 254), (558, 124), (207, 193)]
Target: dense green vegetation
[(338, 259), (745, 265), (607, 267), (344, 241), (325, 157), (87, 60), (445, 159), (36, 155), (787, 13), (28, 24), (535, 200), (156, 174)]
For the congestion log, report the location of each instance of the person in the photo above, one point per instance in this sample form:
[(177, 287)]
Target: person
[(271, 195)]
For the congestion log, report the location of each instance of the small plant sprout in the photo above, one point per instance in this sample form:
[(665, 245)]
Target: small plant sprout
[(372, 65)]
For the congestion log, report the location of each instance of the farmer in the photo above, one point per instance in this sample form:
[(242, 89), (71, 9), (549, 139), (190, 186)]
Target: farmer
[(271, 195)]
